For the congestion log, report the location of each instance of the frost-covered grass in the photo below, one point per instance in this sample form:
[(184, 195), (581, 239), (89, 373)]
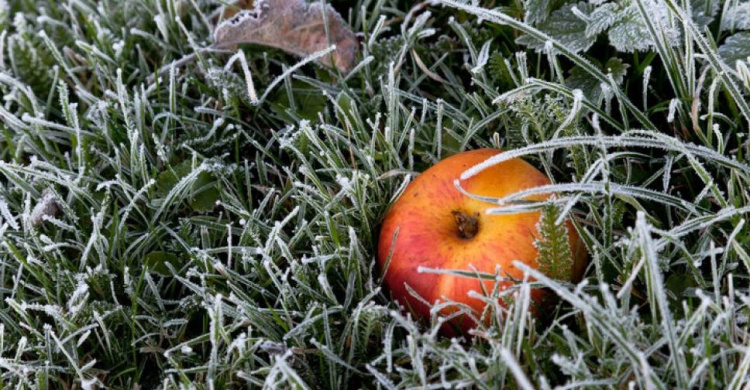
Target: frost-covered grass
[(161, 227)]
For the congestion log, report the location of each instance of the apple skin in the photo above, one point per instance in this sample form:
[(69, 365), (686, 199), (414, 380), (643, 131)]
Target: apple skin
[(429, 235)]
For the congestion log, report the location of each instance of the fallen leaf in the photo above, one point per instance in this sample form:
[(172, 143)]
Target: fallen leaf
[(295, 27)]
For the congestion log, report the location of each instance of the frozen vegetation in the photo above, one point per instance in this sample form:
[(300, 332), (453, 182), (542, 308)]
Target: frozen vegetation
[(181, 215)]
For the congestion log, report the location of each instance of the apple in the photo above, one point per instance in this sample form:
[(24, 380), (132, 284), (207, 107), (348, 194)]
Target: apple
[(434, 225)]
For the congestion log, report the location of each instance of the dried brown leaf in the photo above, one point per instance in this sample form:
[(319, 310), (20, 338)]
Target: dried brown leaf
[(295, 27)]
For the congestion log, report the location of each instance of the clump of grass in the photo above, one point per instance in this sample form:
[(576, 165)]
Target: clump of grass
[(206, 240)]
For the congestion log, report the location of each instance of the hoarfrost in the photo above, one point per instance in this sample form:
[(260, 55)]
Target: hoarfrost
[(6, 214), (630, 33), (565, 27), (484, 56), (672, 108), (46, 208), (737, 17), (79, 296)]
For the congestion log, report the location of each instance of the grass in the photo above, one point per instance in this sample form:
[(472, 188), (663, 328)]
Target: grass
[(159, 227)]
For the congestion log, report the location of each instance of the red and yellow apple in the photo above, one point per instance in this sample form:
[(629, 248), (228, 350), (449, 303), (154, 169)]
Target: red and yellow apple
[(434, 225)]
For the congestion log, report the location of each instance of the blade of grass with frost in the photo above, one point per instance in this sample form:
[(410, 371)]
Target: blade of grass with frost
[(27, 118), (462, 273), (742, 372), (704, 221), (471, 134), (656, 284), (675, 71), (521, 380), (179, 191), (594, 188), (629, 139)]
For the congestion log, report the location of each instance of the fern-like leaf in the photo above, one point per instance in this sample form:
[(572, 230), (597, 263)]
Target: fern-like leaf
[(555, 258)]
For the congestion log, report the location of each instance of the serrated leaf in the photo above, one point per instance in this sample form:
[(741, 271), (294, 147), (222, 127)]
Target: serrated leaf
[(631, 34), (737, 17), (566, 27), (536, 11), (736, 48), (602, 18), (591, 87), (617, 68), (704, 11), (581, 79)]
